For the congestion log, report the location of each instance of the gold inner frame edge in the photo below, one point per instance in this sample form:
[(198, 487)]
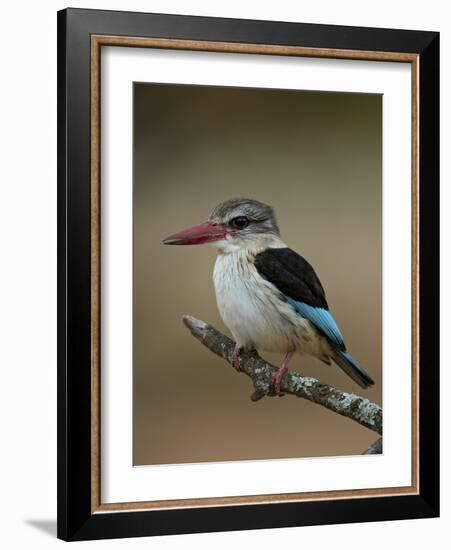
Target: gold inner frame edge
[(97, 41)]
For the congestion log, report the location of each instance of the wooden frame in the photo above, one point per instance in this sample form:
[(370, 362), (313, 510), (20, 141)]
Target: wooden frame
[(81, 515)]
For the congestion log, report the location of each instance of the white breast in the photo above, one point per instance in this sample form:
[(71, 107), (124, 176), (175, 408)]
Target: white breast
[(251, 308)]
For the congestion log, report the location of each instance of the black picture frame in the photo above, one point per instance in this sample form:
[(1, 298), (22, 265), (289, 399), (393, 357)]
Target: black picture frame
[(76, 521)]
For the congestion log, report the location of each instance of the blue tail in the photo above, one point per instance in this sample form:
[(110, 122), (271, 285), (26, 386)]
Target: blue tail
[(353, 369)]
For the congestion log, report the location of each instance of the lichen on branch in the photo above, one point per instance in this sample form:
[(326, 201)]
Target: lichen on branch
[(359, 409)]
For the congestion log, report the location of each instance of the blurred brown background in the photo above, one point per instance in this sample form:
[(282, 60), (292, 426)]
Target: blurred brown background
[(317, 159)]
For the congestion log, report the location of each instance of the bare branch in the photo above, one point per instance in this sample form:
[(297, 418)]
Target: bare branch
[(375, 448), (352, 406)]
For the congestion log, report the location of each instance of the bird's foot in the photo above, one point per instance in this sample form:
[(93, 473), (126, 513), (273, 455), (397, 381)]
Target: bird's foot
[(236, 357), (277, 379)]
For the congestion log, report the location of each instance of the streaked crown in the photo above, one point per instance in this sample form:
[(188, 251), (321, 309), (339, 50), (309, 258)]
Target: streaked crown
[(245, 217)]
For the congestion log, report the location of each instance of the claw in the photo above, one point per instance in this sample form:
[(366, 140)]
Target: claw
[(236, 357), (277, 378)]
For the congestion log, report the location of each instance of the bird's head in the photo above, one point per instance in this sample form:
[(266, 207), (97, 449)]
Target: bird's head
[(235, 223)]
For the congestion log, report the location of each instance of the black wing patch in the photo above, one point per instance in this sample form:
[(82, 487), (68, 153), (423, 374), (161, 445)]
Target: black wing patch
[(292, 275)]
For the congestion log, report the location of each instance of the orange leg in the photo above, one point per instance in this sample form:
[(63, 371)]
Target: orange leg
[(277, 379)]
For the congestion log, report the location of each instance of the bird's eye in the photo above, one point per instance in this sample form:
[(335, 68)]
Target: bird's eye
[(240, 222)]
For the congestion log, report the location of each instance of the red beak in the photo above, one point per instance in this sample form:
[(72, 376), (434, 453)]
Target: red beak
[(198, 234)]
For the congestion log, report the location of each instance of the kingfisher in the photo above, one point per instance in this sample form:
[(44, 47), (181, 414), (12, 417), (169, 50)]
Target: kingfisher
[(268, 295)]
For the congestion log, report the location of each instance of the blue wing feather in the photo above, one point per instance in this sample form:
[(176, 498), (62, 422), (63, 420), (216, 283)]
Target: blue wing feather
[(322, 319), (297, 281)]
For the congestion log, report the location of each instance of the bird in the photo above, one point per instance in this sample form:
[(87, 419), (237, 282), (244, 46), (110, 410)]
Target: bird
[(268, 295)]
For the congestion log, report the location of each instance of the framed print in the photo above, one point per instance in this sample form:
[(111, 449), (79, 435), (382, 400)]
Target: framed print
[(248, 274)]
